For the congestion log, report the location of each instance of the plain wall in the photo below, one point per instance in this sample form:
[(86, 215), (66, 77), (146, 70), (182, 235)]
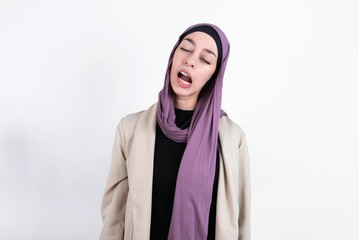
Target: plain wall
[(70, 70)]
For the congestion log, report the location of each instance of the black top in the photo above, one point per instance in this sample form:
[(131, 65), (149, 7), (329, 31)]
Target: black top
[(167, 159)]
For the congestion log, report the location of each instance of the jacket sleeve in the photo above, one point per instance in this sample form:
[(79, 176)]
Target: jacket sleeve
[(115, 196), (244, 192)]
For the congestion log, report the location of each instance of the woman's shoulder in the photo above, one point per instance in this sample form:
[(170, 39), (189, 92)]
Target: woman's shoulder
[(132, 117), (130, 120), (230, 129)]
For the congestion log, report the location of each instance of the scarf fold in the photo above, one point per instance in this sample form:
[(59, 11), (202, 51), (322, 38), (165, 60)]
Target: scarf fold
[(195, 178)]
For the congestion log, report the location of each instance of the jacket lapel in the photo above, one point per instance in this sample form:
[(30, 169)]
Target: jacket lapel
[(141, 172), (227, 196)]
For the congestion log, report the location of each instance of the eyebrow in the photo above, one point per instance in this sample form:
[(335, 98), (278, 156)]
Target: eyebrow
[(206, 49)]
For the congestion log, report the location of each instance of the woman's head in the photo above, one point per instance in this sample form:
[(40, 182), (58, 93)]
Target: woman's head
[(196, 62), (193, 64)]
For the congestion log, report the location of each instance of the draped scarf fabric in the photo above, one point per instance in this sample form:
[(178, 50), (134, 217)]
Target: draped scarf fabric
[(195, 178)]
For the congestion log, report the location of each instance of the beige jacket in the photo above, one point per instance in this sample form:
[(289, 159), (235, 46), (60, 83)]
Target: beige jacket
[(126, 205)]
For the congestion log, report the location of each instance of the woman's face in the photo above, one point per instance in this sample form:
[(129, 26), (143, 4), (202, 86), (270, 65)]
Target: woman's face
[(193, 64)]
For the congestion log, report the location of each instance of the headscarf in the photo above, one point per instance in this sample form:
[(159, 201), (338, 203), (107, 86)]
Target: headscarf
[(193, 194)]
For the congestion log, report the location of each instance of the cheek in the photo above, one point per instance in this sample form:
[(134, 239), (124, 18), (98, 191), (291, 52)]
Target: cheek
[(172, 74), (207, 74), (176, 57)]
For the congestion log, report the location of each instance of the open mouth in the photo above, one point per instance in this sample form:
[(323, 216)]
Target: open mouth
[(184, 78)]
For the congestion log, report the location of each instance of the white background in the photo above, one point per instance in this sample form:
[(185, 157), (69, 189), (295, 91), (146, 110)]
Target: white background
[(69, 70)]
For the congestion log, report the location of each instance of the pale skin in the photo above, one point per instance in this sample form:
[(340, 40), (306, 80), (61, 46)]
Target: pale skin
[(194, 62)]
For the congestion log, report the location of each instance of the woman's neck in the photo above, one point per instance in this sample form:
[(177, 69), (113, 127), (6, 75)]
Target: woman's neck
[(185, 104)]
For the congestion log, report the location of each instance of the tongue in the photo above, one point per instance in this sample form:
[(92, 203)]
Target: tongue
[(186, 78)]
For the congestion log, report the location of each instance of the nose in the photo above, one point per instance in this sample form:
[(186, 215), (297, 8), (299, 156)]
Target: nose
[(189, 62)]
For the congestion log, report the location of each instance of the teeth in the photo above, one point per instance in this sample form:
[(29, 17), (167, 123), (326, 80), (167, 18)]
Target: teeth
[(183, 73)]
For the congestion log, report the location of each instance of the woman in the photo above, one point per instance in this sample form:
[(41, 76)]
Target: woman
[(179, 169)]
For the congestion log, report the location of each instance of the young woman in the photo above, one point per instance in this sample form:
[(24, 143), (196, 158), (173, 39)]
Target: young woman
[(179, 169)]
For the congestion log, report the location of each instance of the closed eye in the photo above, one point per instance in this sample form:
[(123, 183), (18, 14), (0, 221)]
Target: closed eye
[(184, 49), (205, 61)]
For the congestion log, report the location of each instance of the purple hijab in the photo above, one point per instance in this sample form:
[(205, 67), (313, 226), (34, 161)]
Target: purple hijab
[(193, 194)]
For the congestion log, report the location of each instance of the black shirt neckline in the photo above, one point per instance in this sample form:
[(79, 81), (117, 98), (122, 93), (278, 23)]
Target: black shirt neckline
[(183, 118)]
